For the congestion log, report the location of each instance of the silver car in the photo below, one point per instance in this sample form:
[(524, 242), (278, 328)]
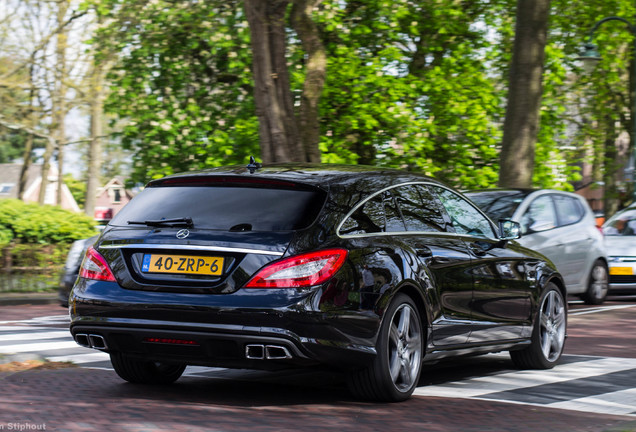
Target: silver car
[(620, 240), (561, 226)]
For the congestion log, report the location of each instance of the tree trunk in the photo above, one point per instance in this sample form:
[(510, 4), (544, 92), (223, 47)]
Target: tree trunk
[(316, 65), (613, 174), (272, 93), (28, 148), (524, 98), (59, 98), (97, 96), (46, 168)]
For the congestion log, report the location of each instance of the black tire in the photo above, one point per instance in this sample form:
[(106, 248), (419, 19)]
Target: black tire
[(598, 284), (144, 371), (395, 371), (548, 333)]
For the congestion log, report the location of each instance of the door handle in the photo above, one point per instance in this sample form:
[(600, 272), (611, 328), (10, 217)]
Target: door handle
[(477, 249), (423, 252)]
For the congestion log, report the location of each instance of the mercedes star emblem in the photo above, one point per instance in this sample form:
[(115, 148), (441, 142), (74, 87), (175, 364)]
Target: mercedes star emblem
[(183, 234)]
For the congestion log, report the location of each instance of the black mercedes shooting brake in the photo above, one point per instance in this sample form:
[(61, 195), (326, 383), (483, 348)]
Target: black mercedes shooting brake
[(368, 270)]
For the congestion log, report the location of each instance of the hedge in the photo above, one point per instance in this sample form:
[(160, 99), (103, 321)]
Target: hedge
[(34, 242), (22, 222)]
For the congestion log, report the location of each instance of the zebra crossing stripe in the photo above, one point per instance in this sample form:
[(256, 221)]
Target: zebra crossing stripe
[(600, 385), (40, 346), (46, 320), (508, 381), (60, 334), (621, 402)]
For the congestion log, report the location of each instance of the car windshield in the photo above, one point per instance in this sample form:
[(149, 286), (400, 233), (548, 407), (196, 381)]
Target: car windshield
[(228, 208), (497, 204), (621, 224)]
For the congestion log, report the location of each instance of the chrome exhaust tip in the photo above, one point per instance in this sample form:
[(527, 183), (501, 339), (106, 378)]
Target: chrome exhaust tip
[(254, 352), (98, 342), (82, 340), (267, 352), (276, 352), (91, 341)]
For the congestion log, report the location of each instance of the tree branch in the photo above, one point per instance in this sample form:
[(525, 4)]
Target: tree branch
[(43, 43)]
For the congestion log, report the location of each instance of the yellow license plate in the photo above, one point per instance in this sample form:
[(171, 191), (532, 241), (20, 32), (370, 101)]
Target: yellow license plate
[(182, 264), (621, 271)]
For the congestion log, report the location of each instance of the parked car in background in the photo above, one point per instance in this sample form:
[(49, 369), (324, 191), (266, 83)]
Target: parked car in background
[(363, 269), (562, 227), (620, 240), (71, 268)]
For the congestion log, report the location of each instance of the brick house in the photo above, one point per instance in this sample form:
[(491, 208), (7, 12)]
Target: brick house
[(111, 198)]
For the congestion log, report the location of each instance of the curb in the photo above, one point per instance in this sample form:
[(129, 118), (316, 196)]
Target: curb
[(17, 299)]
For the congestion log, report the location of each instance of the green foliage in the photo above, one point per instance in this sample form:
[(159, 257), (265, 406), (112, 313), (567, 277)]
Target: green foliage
[(29, 267), (415, 85), (184, 84), (13, 106), (11, 147), (405, 89), (77, 188), (31, 223)]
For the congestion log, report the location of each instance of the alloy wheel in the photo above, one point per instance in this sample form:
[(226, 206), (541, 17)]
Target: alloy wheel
[(405, 347), (553, 322)]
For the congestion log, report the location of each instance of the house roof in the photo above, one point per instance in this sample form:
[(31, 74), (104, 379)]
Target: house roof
[(115, 182), (10, 177)]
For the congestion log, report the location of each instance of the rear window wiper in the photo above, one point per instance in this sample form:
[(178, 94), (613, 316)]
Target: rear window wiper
[(171, 223)]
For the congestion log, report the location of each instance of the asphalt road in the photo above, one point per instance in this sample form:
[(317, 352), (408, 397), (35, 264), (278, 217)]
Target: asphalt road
[(592, 390)]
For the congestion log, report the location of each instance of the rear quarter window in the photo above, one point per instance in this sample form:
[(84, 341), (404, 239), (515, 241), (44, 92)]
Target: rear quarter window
[(226, 207), (397, 210)]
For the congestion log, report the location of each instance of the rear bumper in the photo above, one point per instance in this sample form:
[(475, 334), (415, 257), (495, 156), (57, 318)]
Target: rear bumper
[(289, 329), (247, 350)]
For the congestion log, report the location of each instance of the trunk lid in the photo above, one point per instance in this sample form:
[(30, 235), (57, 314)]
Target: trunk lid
[(206, 234)]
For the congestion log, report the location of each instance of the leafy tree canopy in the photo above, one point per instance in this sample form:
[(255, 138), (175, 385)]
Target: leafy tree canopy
[(410, 84)]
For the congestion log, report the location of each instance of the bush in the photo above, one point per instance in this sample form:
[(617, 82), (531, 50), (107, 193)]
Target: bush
[(31, 267), (34, 241), (32, 223)]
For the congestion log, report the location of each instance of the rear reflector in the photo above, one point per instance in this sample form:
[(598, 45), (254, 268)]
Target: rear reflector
[(300, 271), (170, 341)]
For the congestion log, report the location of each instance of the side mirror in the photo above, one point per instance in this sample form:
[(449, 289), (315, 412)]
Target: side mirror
[(509, 230)]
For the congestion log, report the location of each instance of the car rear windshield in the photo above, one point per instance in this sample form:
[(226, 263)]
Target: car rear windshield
[(229, 208), (497, 204)]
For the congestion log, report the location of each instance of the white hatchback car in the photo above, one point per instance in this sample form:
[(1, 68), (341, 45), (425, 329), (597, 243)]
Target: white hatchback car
[(561, 226), (620, 239)]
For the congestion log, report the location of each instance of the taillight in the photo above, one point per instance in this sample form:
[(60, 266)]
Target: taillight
[(300, 271), (95, 267)]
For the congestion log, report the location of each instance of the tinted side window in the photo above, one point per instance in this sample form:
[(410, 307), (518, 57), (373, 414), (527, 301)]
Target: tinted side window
[(466, 219), (569, 210), (394, 221), (540, 216), (368, 218), (419, 209)]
